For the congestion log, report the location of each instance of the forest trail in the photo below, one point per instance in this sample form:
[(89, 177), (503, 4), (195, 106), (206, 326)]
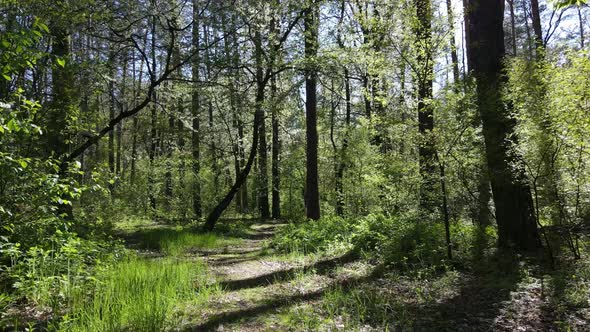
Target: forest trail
[(258, 285)]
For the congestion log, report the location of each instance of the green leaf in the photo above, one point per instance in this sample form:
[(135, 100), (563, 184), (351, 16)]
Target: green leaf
[(23, 163), (43, 26), (12, 125), (6, 77), (61, 62)]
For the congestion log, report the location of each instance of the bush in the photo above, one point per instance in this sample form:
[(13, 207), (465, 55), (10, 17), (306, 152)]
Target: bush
[(399, 241), (50, 278), (313, 236)]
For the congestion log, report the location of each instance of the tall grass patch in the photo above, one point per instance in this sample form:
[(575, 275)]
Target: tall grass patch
[(138, 295), (176, 241)]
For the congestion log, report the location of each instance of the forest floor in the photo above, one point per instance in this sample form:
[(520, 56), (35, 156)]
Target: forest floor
[(261, 290)]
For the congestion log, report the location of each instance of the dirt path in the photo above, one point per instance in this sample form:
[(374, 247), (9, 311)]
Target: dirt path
[(258, 284)]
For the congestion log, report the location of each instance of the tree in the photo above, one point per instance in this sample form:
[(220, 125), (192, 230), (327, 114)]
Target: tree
[(424, 78), (262, 78), (263, 206), (195, 114), (511, 191), (312, 195), (276, 142)]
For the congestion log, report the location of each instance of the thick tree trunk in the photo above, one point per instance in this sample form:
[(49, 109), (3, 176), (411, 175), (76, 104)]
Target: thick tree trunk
[(424, 84), (482, 211), (312, 195), (511, 191)]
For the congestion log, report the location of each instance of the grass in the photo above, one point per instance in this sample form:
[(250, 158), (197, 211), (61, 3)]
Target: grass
[(139, 295), (176, 241)]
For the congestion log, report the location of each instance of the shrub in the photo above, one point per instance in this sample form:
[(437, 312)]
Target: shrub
[(313, 236), (49, 278), (400, 241)]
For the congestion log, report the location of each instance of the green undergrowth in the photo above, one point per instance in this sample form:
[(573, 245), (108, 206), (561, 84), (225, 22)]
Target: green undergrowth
[(420, 282), (569, 291), (138, 295), (49, 277), (402, 242)]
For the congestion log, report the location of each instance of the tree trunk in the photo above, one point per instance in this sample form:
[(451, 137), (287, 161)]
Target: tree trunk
[(344, 149), (123, 108), (63, 101), (529, 38), (312, 196), (342, 160), (581, 23), (424, 83), (213, 138), (454, 56), (276, 142), (111, 89), (276, 151), (195, 113), (512, 26), (263, 206), (536, 16), (154, 120), (511, 191)]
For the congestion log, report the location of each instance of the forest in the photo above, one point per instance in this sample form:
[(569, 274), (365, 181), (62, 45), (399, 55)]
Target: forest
[(294, 165)]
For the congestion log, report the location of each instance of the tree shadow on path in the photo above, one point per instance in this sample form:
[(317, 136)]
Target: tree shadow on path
[(213, 322), (320, 267)]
